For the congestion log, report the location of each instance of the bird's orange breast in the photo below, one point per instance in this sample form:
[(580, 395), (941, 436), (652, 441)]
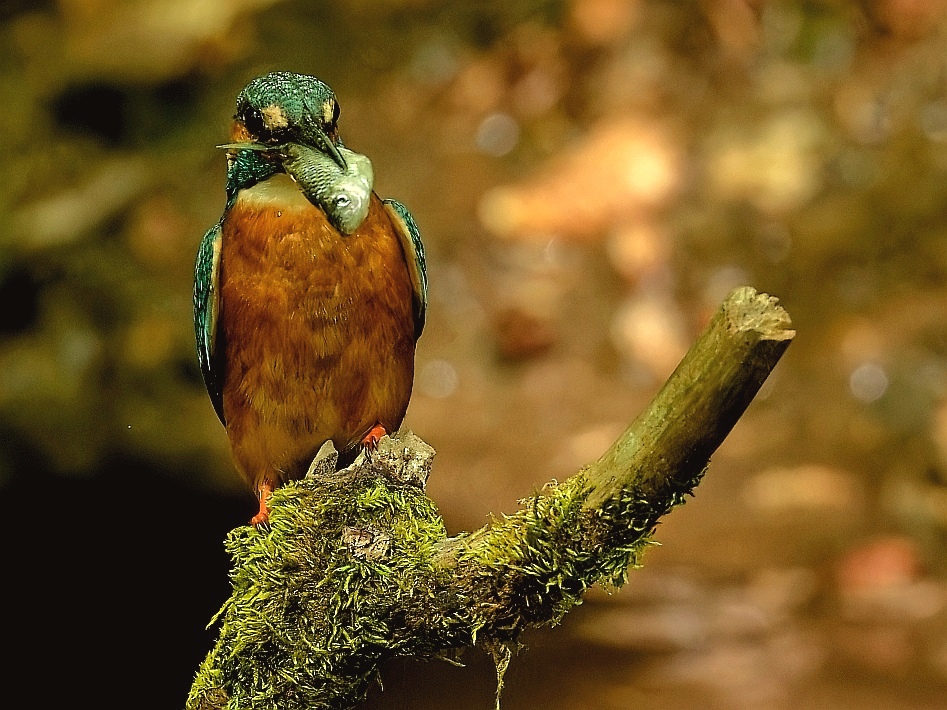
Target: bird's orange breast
[(316, 330)]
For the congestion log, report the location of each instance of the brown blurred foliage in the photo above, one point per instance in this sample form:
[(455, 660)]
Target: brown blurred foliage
[(591, 177)]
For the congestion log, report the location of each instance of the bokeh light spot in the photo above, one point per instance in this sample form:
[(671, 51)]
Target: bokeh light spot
[(498, 134), (868, 382), (438, 379)]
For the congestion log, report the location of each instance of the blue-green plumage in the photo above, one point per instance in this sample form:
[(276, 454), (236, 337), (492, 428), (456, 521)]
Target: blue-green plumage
[(245, 168), (414, 252), (206, 307)]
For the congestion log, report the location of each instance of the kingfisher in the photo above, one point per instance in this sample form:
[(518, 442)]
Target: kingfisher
[(310, 292)]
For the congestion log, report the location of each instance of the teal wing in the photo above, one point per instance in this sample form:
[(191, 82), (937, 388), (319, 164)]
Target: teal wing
[(206, 308), (414, 252)]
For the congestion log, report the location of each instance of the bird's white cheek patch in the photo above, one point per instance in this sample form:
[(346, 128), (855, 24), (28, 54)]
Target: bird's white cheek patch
[(273, 117)]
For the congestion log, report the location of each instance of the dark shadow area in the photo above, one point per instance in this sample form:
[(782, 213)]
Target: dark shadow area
[(111, 597)]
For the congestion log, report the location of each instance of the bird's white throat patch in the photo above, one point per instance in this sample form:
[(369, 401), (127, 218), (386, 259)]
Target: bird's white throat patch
[(277, 190)]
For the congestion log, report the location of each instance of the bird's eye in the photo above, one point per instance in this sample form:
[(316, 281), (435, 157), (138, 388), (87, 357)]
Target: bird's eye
[(253, 120), (335, 112)]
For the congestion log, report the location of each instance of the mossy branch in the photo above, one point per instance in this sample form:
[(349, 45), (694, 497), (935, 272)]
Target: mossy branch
[(357, 567)]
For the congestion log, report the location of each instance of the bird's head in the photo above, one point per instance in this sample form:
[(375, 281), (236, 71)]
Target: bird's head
[(283, 107)]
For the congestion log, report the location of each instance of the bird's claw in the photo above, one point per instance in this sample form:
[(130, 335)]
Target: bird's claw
[(261, 521), (371, 439), (262, 526)]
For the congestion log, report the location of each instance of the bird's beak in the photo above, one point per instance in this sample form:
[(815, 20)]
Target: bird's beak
[(313, 136), (259, 147), (317, 138)]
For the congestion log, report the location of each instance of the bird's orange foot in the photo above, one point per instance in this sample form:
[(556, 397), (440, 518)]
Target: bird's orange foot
[(263, 493), (371, 439)]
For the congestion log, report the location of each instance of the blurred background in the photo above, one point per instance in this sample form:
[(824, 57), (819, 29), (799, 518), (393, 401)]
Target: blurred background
[(591, 178)]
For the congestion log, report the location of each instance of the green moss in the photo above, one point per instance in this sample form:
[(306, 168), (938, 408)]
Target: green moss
[(556, 547), (318, 600), (357, 568)]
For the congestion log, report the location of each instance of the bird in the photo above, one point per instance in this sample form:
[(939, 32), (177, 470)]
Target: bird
[(310, 292)]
